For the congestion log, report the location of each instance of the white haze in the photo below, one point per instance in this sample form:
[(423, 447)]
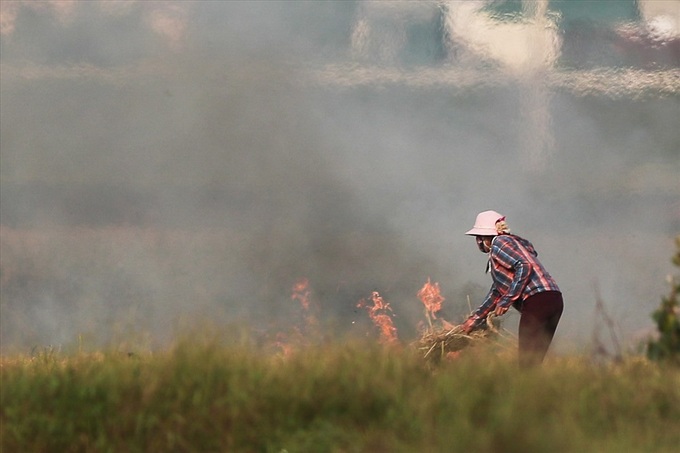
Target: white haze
[(350, 143)]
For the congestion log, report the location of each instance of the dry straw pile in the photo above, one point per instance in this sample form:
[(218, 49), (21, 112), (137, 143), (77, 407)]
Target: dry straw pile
[(448, 343)]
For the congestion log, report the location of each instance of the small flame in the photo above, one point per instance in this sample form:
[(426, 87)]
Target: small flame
[(299, 335), (381, 315), (284, 344), (431, 297), (302, 293)]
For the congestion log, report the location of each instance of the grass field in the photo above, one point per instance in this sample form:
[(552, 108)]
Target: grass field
[(304, 389), (203, 395)]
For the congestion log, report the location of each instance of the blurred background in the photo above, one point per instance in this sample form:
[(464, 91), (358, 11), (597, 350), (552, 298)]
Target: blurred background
[(167, 163)]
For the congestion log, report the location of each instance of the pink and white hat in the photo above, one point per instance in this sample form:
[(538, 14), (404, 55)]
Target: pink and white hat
[(485, 224)]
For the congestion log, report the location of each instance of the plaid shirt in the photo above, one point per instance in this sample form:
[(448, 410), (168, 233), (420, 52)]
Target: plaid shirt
[(516, 273)]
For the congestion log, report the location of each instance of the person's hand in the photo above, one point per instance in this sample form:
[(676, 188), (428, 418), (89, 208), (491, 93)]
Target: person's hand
[(500, 311), (469, 325)]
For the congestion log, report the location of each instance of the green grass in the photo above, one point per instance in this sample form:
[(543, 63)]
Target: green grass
[(204, 396)]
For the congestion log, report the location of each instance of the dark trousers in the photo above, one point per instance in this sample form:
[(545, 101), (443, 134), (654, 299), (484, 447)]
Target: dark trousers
[(540, 315)]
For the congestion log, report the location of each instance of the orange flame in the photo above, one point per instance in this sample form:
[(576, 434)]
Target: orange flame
[(284, 344), (302, 293), (299, 335), (381, 315), (431, 297)]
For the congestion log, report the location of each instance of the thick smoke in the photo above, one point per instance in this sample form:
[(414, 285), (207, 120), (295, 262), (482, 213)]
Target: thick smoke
[(170, 162)]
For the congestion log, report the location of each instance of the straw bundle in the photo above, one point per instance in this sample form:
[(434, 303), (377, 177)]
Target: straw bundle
[(441, 343), (438, 344)]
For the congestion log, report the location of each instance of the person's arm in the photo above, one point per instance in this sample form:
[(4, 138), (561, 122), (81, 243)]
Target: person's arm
[(479, 315), (512, 258)]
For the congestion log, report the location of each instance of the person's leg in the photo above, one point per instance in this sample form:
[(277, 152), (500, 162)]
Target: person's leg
[(529, 339), (540, 315)]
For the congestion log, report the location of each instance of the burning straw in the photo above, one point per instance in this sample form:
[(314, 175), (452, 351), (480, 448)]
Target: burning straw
[(449, 340), (448, 343)]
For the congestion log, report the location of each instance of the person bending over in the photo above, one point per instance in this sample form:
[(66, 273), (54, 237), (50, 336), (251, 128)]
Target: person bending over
[(519, 280)]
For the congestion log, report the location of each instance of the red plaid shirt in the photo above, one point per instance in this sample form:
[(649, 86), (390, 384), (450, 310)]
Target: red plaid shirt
[(516, 273)]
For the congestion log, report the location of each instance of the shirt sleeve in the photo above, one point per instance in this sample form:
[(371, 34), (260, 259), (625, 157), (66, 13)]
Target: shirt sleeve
[(521, 267), (488, 305)]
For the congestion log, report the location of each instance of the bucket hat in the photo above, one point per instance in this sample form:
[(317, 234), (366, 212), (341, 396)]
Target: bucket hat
[(485, 224)]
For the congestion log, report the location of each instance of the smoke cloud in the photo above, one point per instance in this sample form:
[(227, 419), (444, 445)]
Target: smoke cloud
[(170, 162)]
